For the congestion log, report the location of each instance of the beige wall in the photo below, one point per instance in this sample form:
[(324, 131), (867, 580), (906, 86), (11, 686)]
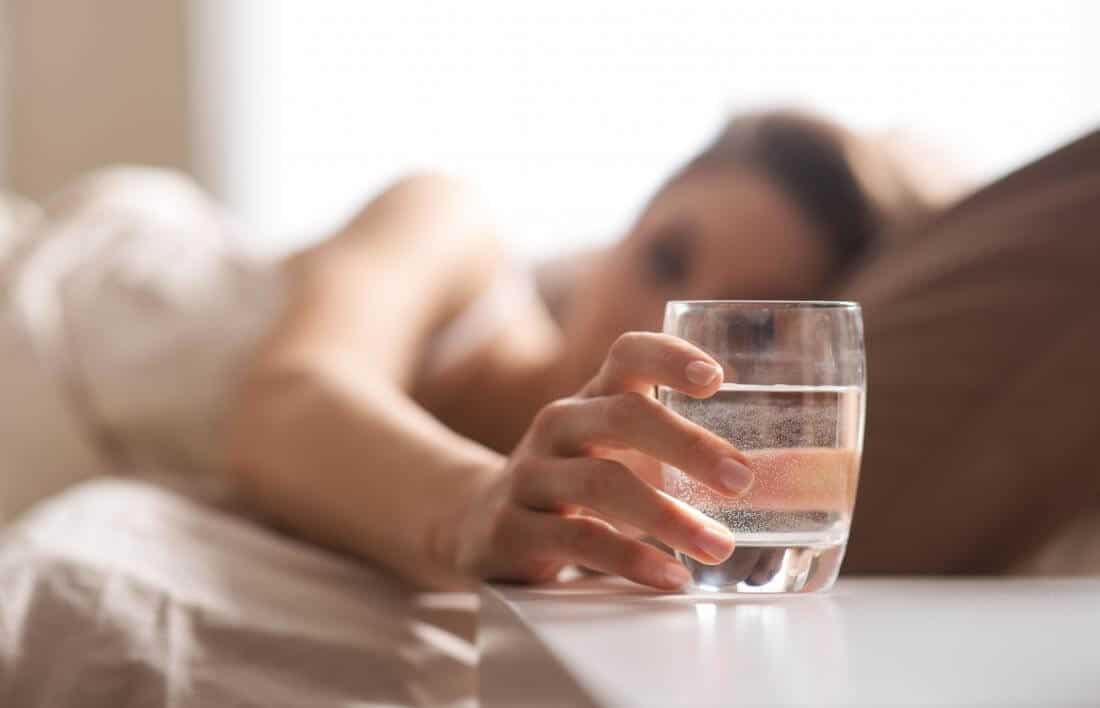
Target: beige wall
[(92, 82), (5, 68)]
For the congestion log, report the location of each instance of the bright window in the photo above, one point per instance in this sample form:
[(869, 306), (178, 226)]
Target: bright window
[(567, 113)]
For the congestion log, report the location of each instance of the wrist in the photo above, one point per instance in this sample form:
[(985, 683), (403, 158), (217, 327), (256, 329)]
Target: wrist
[(451, 537)]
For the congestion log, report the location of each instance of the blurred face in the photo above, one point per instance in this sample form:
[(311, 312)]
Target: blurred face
[(707, 236)]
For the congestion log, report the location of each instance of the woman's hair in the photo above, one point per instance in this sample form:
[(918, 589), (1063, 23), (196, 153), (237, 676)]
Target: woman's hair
[(849, 188)]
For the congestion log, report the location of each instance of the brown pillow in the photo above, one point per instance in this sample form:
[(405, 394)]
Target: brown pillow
[(983, 341)]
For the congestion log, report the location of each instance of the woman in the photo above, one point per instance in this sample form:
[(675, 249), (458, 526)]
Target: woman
[(407, 397), (359, 427)]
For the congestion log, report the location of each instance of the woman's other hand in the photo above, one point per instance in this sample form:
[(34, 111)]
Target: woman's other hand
[(563, 500)]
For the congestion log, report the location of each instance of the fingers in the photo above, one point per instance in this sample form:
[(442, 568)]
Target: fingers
[(639, 360), (632, 420), (594, 544), (613, 491), (557, 470)]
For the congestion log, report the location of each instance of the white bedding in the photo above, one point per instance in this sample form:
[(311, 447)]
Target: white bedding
[(126, 310), (119, 593)]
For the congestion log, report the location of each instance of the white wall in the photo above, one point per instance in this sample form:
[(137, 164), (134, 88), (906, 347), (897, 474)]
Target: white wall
[(567, 113)]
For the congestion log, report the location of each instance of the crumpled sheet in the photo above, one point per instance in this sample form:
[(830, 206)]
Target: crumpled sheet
[(120, 593)]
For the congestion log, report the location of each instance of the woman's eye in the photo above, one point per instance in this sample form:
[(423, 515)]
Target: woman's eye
[(667, 262)]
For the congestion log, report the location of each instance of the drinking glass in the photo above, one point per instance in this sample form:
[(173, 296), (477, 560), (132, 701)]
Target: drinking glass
[(792, 399)]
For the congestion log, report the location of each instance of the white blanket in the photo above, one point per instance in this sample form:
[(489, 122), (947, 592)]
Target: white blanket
[(126, 310), (120, 593)]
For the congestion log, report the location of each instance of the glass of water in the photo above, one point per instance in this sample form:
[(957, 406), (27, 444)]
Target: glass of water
[(792, 400)]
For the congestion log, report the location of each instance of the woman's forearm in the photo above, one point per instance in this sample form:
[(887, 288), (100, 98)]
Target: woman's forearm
[(323, 435), (350, 462)]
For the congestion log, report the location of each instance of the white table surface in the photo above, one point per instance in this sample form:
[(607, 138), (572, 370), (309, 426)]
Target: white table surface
[(874, 642)]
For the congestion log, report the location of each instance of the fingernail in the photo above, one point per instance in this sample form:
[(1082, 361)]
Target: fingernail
[(702, 373), (675, 575), (715, 543), (735, 476)]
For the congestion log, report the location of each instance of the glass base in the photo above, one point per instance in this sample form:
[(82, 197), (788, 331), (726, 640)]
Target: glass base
[(771, 568)]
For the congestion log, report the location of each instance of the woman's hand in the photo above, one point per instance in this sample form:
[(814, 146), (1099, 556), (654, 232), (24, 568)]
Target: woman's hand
[(562, 498)]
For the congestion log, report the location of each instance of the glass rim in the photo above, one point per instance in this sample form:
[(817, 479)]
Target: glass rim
[(836, 304)]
